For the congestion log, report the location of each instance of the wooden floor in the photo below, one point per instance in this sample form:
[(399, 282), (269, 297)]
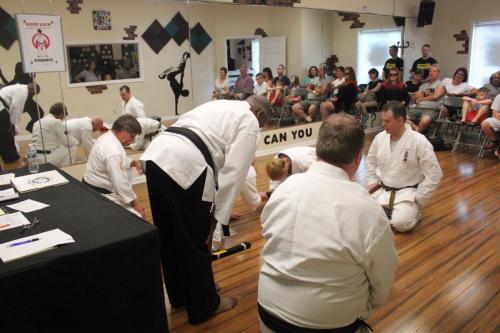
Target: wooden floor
[(449, 276)]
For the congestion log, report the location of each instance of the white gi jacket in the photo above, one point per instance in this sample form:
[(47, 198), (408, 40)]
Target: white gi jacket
[(55, 140), (329, 256), (133, 107), (81, 130), (249, 191), (15, 96), (301, 158), (230, 131), (108, 167), (412, 162), (148, 126)]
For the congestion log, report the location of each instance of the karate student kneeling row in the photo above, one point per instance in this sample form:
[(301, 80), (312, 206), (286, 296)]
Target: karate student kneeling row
[(402, 170)]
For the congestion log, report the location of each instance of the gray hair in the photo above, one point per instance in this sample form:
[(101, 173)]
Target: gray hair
[(340, 139), (436, 66), (128, 124), (261, 107)]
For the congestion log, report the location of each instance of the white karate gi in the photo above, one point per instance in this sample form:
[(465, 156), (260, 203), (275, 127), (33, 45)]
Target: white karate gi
[(230, 131), (411, 162), (81, 130), (108, 167), (301, 158), (133, 107), (15, 96), (249, 191), (148, 126), (329, 256), (55, 141)]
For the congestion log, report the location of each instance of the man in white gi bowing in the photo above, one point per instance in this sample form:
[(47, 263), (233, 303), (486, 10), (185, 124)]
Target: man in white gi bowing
[(216, 140), (82, 128), (329, 258), (50, 139), (402, 170), (109, 169), (130, 104), (289, 162)]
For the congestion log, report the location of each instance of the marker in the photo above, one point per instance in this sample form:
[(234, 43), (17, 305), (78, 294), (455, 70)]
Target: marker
[(23, 242), (4, 225)]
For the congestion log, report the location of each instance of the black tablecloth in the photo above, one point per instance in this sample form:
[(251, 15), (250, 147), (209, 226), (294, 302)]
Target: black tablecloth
[(109, 280)]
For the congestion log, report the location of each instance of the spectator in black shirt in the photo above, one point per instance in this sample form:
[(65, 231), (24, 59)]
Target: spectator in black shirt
[(369, 97), (281, 76), (424, 63), (415, 82), (393, 62)]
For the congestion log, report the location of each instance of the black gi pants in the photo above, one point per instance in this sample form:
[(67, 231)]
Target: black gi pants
[(8, 149), (183, 220)]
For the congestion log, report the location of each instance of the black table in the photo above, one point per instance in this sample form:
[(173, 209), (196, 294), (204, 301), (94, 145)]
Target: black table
[(109, 280)]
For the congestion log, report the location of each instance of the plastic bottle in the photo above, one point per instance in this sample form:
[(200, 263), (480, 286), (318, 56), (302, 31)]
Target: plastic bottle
[(33, 164)]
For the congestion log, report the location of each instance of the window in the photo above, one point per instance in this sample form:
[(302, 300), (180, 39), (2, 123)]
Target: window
[(484, 58), (373, 50)]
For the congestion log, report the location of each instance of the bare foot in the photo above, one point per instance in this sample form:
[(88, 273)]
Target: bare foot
[(226, 304)]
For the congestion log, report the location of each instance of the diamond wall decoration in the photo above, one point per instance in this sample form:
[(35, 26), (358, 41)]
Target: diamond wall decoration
[(178, 29), (199, 38), (156, 37), (8, 31)]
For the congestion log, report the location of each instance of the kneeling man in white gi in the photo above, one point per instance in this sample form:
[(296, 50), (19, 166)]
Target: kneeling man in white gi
[(402, 170), (57, 147), (109, 169), (329, 257)]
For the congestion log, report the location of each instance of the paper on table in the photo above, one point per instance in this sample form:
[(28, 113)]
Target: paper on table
[(28, 206), (6, 178), (38, 181), (13, 220), (33, 244), (8, 194)]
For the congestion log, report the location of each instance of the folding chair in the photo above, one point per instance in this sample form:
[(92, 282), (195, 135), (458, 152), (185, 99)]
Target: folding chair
[(452, 104), (286, 109), (470, 136)]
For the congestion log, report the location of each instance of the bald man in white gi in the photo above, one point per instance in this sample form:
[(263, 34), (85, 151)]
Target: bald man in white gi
[(329, 258), (402, 170), (181, 185)]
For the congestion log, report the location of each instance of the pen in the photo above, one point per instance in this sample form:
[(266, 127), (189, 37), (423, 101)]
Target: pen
[(4, 225), (23, 242)]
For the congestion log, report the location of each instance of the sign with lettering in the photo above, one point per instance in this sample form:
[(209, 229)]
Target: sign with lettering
[(41, 43), (293, 135)]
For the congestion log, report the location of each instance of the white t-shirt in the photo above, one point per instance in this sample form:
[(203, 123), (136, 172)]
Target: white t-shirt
[(461, 88), (496, 104), (220, 86), (262, 89)]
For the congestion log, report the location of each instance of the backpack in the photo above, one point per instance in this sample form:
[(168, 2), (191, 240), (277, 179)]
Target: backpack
[(438, 143)]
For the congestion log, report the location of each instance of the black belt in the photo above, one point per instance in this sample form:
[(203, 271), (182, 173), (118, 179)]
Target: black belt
[(198, 142), (281, 326), (96, 188), (46, 152)]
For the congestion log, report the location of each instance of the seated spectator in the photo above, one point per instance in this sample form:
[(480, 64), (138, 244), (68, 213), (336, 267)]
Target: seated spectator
[(429, 100), (475, 110), (128, 71), (82, 128), (293, 98), (329, 258), (276, 94), (414, 84), (268, 76), (394, 62), (369, 97), (491, 127), (221, 85), (55, 146), (281, 76), (243, 86), (109, 169), (345, 97), (456, 88), (393, 89), (312, 74), (261, 88), (289, 162), (494, 85), (88, 75), (339, 80), (316, 93)]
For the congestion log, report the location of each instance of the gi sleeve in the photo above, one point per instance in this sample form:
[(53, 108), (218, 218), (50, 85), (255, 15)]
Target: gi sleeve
[(17, 106), (249, 191), (117, 170), (431, 170), (87, 141), (239, 155), (371, 164)]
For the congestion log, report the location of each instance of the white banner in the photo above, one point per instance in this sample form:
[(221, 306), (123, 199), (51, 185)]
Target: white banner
[(41, 43)]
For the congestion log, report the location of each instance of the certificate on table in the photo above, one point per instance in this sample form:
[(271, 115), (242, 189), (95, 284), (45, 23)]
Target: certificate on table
[(38, 181)]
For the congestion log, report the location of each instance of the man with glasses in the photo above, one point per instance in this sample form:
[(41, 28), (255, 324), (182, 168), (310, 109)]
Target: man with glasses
[(109, 169)]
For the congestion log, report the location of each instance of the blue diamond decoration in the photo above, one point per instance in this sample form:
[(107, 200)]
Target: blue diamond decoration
[(178, 29), (199, 38), (156, 37)]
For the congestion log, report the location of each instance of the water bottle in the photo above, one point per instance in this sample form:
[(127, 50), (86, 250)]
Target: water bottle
[(33, 165)]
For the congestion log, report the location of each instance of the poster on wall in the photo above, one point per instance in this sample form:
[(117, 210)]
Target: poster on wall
[(102, 19), (41, 43)]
